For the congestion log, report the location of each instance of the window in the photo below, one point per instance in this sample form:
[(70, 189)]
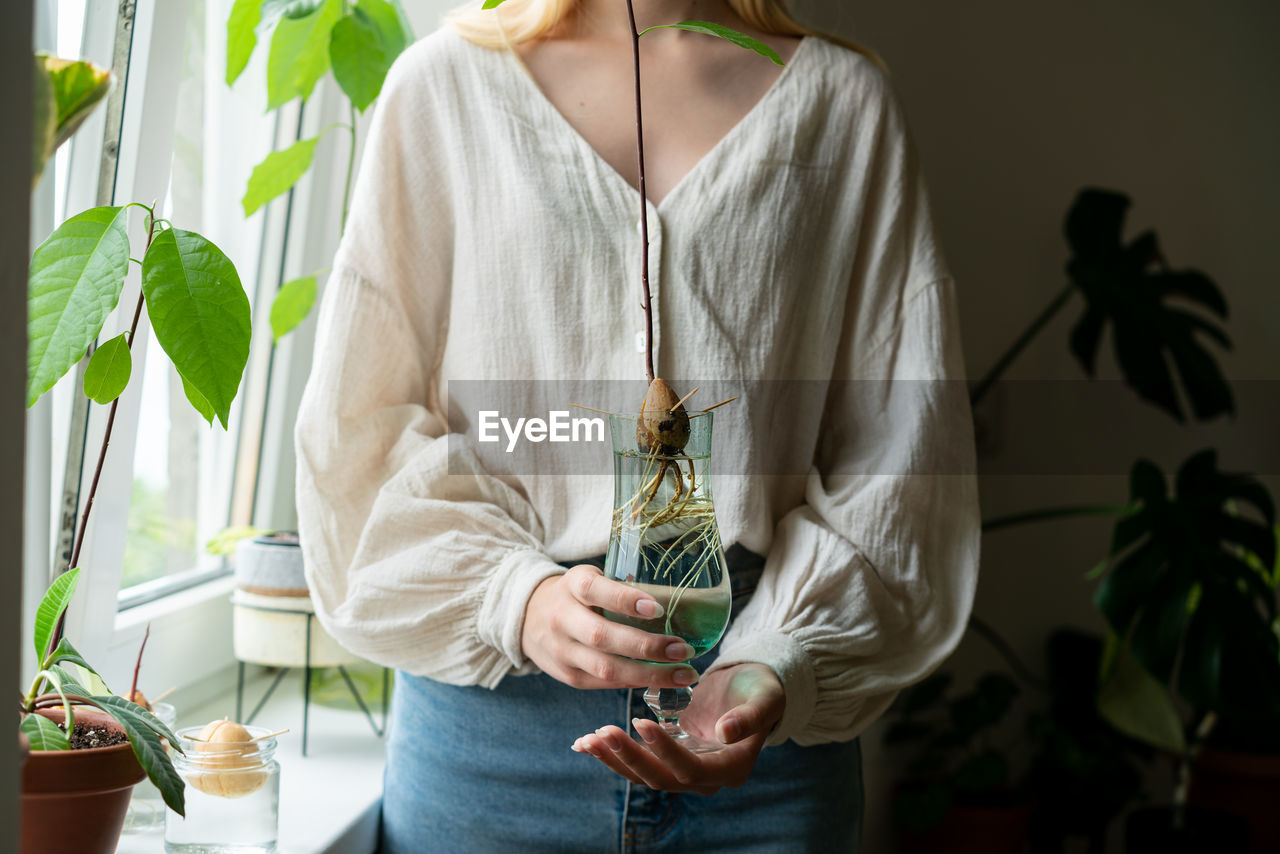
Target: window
[(179, 135)]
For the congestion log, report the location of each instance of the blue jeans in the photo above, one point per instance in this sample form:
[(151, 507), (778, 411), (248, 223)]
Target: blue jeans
[(474, 771)]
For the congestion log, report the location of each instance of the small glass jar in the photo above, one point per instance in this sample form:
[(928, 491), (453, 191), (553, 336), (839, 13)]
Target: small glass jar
[(232, 796), (146, 808)]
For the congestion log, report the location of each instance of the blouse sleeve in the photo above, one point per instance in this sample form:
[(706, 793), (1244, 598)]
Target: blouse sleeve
[(869, 583), (416, 557)]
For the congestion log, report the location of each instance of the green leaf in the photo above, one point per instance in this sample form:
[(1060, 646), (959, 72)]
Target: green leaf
[(360, 57), (1131, 288), (299, 54), (75, 282), (68, 653), (1195, 611), (224, 542), (78, 87), (108, 370), (43, 733), (277, 173), (391, 21), (117, 706), (200, 315), (144, 731), (69, 683), (492, 4), (51, 608), (291, 305), (1133, 702), (44, 120), (721, 32), (241, 38), (197, 400), (274, 10), (54, 677)]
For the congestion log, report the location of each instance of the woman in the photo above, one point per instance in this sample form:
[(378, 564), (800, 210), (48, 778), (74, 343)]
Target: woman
[(494, 236)]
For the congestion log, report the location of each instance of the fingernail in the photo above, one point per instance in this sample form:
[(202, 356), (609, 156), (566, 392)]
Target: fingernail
[(576, 747), (730, 728), (643, 730), (679, 651), (649, 608), (684, 676)]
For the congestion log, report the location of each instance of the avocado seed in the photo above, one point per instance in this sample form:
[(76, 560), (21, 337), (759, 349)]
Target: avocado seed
[(663, 425), (228, 761)]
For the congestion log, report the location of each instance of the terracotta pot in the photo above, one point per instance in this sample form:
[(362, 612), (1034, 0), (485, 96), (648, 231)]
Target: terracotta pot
[(1245, 784), (974, 830), (78, 797)]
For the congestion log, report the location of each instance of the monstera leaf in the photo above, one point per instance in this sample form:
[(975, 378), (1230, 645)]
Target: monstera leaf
[(1189, 591), (1132, 288)]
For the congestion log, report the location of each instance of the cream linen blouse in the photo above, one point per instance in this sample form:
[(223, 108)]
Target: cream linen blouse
[(488, 240)]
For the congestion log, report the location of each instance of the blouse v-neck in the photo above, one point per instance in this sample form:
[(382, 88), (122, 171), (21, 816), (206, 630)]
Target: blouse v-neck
[(557, 120)]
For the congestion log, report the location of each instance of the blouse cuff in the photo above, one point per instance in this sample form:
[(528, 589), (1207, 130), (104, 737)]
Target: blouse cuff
[(500, 618), (789, 660)]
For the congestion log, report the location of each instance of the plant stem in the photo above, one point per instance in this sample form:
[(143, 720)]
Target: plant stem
[(1049, 513), (133, 688), (351, 168), (102, 453), (644, 201), (1186, 762), (1002, 364)]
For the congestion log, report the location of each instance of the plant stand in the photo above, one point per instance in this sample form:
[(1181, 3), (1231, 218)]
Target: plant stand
[(278, 631)]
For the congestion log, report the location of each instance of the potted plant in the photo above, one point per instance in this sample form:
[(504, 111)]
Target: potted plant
[(961, 793), (88, 746), (199, 313), (1214, 534), (1083, 773), (1189, 593)]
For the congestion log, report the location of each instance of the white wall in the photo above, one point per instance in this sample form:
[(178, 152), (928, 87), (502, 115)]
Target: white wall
[(1015, 106)]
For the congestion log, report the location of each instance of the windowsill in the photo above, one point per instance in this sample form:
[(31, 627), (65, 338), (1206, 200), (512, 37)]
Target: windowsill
[(140, 615), (329, 801)]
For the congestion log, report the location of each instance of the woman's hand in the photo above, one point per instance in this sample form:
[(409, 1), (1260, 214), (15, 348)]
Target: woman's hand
[(737, 706), (574, 644)]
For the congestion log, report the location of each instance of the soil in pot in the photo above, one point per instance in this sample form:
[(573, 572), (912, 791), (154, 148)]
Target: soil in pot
[(79, 796)]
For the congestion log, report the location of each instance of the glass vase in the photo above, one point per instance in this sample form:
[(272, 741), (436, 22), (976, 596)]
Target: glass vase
[(664, 540)]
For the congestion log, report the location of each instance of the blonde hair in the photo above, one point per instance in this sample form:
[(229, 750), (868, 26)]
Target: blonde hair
[(517, 21)]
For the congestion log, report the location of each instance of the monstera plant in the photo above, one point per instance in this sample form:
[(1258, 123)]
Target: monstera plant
[(1189, 587), (1131, 289)]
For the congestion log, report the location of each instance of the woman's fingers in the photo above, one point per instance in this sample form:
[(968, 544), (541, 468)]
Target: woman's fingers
[(638, 761), (592, 630), (592, 589), (682, 764), (565, 636), (594, 746), (604, 670)]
